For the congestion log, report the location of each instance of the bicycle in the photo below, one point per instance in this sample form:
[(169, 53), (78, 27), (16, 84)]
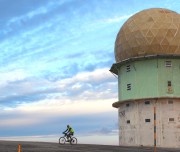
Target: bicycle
[(64, 139)]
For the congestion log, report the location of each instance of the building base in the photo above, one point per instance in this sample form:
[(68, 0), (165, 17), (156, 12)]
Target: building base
[(136, 123)]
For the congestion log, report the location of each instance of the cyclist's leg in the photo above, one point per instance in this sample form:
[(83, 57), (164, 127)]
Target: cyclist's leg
[(68, 136), (71, 134)]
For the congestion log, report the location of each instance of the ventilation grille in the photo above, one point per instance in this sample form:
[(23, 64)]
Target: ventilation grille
[(147, 120), (128, 68), (171, 119), (128, 121), (127, 105), (129, 86), (169, 84), (147, 102), (168, 63), (170, 102)]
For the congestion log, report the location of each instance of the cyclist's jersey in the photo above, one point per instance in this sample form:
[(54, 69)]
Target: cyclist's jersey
[(70, 130)]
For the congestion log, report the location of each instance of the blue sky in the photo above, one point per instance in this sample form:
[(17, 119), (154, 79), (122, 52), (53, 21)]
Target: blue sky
[(55, 57)]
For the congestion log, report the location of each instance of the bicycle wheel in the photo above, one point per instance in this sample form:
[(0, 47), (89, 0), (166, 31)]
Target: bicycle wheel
[(73, 141), (62, 140)]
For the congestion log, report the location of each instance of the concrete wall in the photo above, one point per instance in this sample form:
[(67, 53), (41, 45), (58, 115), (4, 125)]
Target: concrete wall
[(149, 78), (135, 131)]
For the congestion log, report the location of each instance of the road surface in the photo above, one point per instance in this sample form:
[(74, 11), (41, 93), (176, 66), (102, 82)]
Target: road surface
[(12, 146)]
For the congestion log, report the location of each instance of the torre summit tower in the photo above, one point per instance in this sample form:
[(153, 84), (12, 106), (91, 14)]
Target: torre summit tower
[(147, 53)]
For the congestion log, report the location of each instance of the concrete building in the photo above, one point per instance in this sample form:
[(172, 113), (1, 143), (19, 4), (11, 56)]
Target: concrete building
[(147, 53)]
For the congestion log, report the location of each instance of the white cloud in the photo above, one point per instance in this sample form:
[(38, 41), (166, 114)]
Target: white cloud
[(42, 111), (11, 76), (63, 105), (41, 10), (97, 75), (55, 105), (13, 122), (76, 86), (117, 19), (99, 84), (67, 107)]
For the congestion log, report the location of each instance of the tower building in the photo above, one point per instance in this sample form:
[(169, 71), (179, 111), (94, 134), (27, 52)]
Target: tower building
[(147, 53)]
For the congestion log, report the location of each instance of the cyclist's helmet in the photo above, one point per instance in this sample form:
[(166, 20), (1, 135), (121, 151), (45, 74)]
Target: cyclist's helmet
[(68, 126)]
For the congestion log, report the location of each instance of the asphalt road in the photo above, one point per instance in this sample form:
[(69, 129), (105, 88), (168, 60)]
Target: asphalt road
[(12, 146)]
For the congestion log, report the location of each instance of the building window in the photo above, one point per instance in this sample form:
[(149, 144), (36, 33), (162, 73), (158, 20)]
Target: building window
[(147, 120), (128, 68), (128, 121), (170, 102), (171, 119), (127, 105), (147, 102), (168, 63), (169, 84), (129, 86)]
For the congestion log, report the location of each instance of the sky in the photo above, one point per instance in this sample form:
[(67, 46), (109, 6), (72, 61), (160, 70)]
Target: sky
[(55, 57)]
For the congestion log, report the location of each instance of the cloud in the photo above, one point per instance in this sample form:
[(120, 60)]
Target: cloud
[(86, 93), (55, 115), (23, 88), (12, 76), (16, 122), (117, 19), (55, 67), (96, 76), (36, 12), (66, 107), (29, 47)]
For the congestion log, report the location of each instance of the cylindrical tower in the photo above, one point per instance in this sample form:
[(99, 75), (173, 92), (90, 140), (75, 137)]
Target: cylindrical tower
[(147, 53)]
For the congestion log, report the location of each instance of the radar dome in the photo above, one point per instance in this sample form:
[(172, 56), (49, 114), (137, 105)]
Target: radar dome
[(153, 31)]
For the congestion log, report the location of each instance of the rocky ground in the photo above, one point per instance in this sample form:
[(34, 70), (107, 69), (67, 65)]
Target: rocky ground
[(12, 146)]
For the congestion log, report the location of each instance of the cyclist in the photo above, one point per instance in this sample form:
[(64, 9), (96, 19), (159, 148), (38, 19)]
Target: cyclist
[(69, 131)]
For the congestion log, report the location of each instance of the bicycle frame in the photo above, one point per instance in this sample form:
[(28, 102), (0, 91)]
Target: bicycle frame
[(71, 139), (66, 137)]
